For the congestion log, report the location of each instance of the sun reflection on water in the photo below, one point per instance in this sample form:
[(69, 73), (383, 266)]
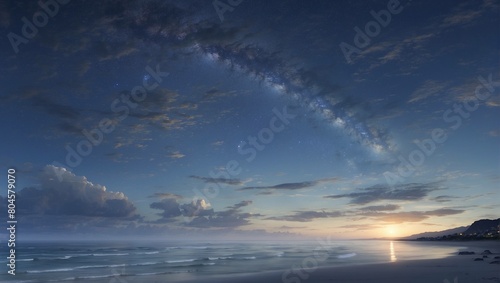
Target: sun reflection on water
[(392, 252)]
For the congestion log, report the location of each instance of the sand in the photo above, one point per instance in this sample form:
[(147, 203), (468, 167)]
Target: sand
[(453, 269)]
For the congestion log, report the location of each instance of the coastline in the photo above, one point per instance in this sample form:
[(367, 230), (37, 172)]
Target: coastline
[(453, 269)]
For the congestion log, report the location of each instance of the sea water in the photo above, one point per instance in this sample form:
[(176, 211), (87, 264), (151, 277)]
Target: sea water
[(129, 262)]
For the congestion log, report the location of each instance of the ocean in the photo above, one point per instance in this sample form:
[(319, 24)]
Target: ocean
[(174, 261)]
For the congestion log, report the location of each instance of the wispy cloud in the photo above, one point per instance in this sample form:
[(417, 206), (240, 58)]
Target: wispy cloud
[(306, 216), (493, 102), (166, 196), (387, 207), (427, 89), (176, 155), (214, 94), (360, 227), (232, 182), (218, 143), (494, 133), (241, 204), (293, 186), (399, 49), (411, 216), (460, 18), (444, 198), (403, 192)]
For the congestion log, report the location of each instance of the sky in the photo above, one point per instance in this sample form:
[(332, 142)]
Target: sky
[(234, 119)]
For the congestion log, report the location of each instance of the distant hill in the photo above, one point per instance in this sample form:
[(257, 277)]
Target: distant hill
[(480, 226), (484, 229), (439, 233)]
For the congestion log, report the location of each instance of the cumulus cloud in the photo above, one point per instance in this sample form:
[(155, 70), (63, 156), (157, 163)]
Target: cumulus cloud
[(170, 208), (231, 218), (197, 207), (403, 192), (63, 193), (199, 214)]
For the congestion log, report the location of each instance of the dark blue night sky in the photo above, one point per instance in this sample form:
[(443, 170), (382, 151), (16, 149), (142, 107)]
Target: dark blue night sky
[(237, 118)]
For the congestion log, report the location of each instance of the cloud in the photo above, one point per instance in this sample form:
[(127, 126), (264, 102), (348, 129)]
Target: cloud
[(71, 128), (117, 28), (403, 192), (4, 15), (197, 207), (392, 50), (162, 110), (291, 227), (176, 155), (198, 213), (494, 133), (214, 95), (83, 68), (387, 207), (411, 216), (494, 101), (231, 221), (360, 227), (56, 109), (166, 196), (427, 89), (218, 143), (404, 49), (460, 18), (230, 218), (170, 208), (232, 182), (241, 204), (72, 195), (306, 216), (114, 50), (292, 186), (443, 198)]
